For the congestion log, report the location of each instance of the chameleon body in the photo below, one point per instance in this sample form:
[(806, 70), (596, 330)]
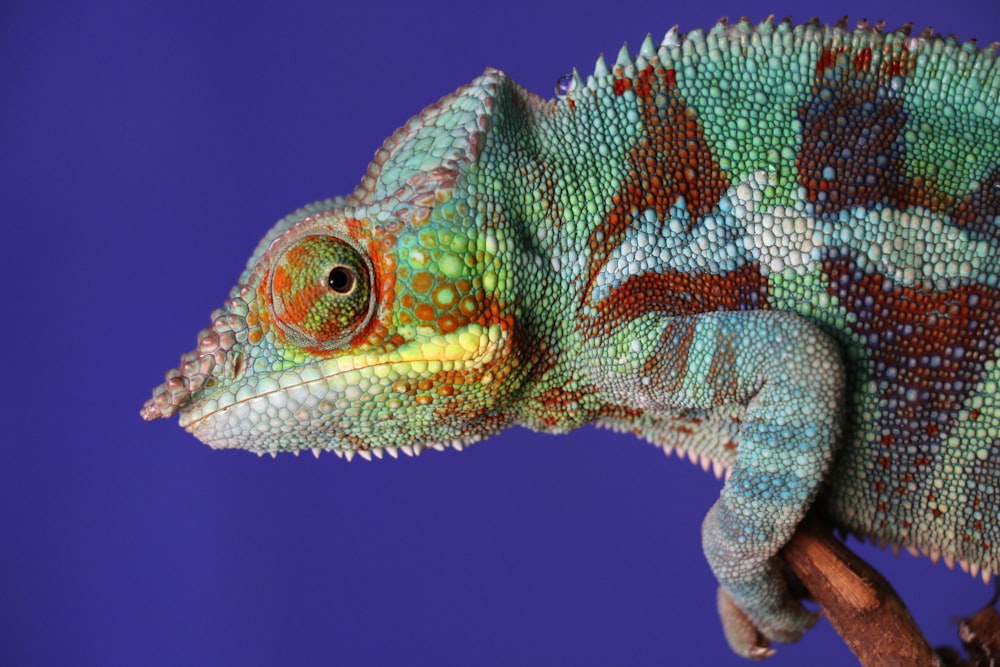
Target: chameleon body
[(773, 247)]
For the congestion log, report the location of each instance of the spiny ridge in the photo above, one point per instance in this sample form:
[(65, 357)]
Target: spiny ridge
[(704, 461), (374, 452), (746, 32), (975, 569)]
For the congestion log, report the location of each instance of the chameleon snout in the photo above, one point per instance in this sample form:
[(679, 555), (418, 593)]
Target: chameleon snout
[(218, 356)]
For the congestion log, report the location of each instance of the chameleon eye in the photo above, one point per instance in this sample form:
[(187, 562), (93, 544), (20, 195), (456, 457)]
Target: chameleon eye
[(321, 291), (341, 279)]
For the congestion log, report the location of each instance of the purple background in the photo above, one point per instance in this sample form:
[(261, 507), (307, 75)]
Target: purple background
[(143, 152)]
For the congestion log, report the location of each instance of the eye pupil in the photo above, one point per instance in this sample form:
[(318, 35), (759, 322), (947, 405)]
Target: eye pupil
[(341, 280)]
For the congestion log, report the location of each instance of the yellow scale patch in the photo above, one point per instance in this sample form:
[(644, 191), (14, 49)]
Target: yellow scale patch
[(474, 343)]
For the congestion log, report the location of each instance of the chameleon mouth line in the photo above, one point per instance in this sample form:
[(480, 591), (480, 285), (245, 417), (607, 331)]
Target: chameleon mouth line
[(303, 383), (441, 351)]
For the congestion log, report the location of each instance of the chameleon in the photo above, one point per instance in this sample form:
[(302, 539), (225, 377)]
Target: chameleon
[(772, 247)]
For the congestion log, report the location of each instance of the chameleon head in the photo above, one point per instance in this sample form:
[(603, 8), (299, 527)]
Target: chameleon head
[(379, 320)]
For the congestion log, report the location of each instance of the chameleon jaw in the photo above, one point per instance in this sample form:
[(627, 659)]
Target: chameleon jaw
[(259, 415)]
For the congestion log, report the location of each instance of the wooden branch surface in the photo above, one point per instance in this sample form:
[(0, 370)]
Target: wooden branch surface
[(859, 603)]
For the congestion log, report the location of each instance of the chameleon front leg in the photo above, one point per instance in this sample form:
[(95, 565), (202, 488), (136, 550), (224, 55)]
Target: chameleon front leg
[(789, 377)]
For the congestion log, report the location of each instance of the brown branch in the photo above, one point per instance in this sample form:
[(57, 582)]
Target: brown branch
[(860, 604), (868, 614), (980, 635)]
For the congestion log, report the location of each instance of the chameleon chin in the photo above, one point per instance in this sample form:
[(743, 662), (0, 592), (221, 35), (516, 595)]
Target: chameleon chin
[(773, 247)]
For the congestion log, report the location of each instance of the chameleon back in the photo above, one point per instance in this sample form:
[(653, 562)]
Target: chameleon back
[(850, 178)]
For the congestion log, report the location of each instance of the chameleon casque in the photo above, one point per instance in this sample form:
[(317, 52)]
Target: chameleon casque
[(773, 247)]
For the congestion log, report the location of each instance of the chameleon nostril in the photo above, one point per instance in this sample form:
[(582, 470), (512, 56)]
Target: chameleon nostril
[(238, 366)]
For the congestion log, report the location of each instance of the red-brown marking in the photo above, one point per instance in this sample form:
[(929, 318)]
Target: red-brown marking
[(678, 293), (672, 160), (560, 405), (978, 209), (644, 83), (825, 60), (854, 127), (863, 59), (937, 345), (668, 363)]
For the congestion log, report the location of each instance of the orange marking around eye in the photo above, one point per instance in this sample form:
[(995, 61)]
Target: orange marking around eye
[(425, 312), (422, 282), (282, 281), (468, 306), (443, 296)]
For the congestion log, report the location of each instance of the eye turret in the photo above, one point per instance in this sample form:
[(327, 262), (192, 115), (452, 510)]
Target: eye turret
[(322, 291)]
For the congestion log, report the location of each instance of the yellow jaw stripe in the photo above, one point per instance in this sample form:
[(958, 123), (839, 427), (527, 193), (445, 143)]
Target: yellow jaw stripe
[(473, 345)]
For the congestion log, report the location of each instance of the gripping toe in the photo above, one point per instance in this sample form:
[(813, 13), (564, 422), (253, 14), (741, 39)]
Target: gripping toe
[(750, 641)]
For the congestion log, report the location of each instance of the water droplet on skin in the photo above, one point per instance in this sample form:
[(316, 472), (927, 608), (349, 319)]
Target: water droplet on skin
[(563, 85)]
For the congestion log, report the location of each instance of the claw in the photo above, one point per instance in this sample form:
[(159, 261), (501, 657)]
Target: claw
[(760, 652), (741, 633)]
